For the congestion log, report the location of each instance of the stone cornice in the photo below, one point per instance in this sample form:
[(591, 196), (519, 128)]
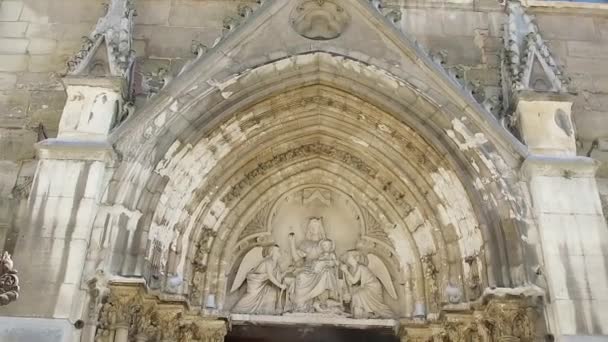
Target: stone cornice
[(566, 7), (567, 167), (60, 149)]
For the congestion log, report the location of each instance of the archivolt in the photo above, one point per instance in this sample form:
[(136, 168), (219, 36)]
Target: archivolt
[(412, 150)]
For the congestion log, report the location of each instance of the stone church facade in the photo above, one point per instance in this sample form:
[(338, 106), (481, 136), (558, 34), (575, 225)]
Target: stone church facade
[(210, 170)]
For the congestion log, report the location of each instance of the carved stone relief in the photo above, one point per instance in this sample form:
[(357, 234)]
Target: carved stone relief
[(317, 267), (319, 19), (9, 282), (430, 277)]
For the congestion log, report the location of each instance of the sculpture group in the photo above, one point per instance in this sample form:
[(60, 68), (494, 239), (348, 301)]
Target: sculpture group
[(316, 281)]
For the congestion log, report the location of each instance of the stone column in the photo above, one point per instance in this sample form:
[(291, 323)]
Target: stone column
[(572, 239), (121, 333), (70, 179), (212, 330)]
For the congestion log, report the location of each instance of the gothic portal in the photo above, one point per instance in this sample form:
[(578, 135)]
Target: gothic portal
[(312, 172)]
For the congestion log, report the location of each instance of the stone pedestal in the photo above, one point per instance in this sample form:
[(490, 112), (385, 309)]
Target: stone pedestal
[(70, 178), (573, 236), (546, 126)]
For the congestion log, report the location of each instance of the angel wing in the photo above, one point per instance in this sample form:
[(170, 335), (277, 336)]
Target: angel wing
[(379, 269), (251, 260)]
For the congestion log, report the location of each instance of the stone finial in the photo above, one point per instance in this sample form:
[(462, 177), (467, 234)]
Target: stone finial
[(115, 29), (527, 61), (9, 282)]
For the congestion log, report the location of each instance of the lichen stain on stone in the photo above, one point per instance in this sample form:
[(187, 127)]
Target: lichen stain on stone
[(455, 209), (160, 120), (402, 247), (469, 140), (224, 84)]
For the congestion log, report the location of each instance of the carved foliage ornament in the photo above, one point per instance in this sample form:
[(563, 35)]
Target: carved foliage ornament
[(116, 29), (527, 61), (319, 19), (148, 319), (301, 151), (9, 282)]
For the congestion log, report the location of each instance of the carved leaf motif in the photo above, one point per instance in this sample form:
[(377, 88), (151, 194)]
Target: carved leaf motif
[(258, 223), (373, 228)]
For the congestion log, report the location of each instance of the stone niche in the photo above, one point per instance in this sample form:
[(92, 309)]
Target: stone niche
[(315, 252)]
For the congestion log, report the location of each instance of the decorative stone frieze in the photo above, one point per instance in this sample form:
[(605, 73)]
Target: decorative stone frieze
[(9, 282), (130, 313), (492, 319)]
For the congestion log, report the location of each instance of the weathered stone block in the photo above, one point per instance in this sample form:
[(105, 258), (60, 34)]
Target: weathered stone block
[(588, 50), (566, 27), (13, 29), (422, 22), (36, 12), (7, 81), (13, 46), (162, 42), (14, 103), (590, 124), (39, 81), (561, 201), (10, 10), (46, 63), (17, 144), (46, 107), (154, 12), (41, 46), (13, 63), (463, 23), (8, 171), (189, 13), (75, 11), (461, 50), (15, 329), (59, 31)]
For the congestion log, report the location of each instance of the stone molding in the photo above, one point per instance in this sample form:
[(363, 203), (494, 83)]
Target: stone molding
[(568, 167), (131, 313), (74, 149)]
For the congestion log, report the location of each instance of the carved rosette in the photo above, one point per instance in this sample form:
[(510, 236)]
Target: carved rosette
[(9, 282)]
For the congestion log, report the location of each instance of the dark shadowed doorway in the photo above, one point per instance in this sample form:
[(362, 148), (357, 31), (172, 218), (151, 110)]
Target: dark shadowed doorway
[(253, 333)]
